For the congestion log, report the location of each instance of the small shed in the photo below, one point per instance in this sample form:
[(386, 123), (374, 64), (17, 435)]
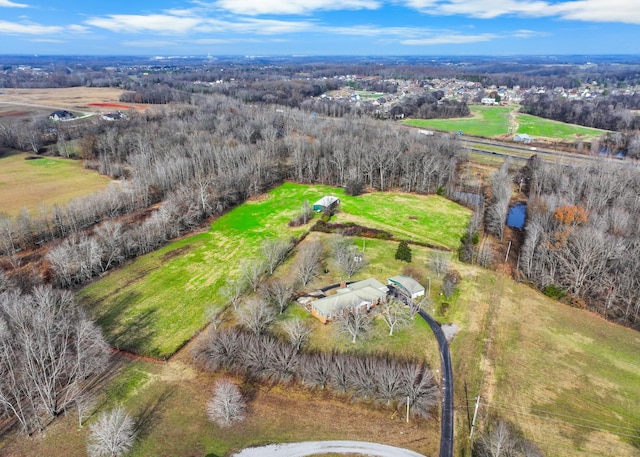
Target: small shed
[(407, 284), (325, 202)]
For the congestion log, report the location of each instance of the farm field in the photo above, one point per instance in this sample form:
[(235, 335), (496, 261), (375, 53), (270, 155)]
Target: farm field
[(493, 121), (43, 181), (75, 99), (157, 303)]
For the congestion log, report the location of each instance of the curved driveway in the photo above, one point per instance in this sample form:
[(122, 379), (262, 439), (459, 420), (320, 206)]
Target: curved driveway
[(446, 425), (317, 447)]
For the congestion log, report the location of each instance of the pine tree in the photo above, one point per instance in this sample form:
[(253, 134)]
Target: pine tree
[(403, 252)]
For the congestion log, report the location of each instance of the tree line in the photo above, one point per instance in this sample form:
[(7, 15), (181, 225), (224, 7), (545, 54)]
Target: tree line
[(582, 239)]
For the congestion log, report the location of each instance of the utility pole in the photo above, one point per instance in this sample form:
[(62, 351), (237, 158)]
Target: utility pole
[(473, 422), (407, 409)]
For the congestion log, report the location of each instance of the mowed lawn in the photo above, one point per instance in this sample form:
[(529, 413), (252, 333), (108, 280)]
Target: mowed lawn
[(485, 121), (539, 127), (43, 181), (492, 121), (155, 304)]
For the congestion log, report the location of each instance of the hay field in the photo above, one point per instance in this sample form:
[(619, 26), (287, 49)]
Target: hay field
[(75, 99), (43, 182)]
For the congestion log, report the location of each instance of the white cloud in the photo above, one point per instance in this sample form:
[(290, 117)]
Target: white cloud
[(583, 10), (10, 4), (453, 38), (133, 23), (259, 7), (168, 24), (28, 28)]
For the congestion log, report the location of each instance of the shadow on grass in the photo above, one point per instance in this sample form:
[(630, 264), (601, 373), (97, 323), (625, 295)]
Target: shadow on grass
[(149, 416), (134, 336)]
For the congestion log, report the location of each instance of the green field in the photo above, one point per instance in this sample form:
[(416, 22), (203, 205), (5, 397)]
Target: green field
[(485, 121), (157, 303), (493, 121), (538, 127), (43, 181)]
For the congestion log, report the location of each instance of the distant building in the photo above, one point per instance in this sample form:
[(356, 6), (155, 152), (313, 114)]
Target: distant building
[(488, 101), (114, 116), (328, 201), (523, 138), (61, 115)]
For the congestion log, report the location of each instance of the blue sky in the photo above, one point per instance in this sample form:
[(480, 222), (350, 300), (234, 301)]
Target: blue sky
[(319, 27)]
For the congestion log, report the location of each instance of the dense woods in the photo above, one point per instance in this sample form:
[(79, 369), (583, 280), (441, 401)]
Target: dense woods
[(582, 235)]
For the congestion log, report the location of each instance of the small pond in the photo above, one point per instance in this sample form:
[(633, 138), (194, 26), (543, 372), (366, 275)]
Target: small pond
[(517, 215)]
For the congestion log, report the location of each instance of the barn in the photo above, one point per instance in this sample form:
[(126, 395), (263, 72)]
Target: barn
[(408, 285), (328, 201)]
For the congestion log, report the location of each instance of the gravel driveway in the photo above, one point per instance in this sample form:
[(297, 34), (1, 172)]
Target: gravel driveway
[(316, 447)]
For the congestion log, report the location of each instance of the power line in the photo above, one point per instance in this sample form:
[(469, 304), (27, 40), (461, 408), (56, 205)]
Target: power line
[(568, 416), (548, 417)]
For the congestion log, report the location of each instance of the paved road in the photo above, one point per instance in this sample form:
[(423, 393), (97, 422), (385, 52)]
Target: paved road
[(446, 425), (317, 447)]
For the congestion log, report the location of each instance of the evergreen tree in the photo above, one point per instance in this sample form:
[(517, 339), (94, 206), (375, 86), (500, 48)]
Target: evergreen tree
[(403, 252)]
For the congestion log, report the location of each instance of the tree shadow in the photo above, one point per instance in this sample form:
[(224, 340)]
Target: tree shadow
[(149, 416)]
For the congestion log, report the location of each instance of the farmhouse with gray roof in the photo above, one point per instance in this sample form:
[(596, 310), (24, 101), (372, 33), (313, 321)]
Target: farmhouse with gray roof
[(362, 294)]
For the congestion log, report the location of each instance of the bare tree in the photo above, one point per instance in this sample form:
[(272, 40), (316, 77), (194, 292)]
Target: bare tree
[(496, 213), (274, 252), (502, 440), (112, 435), (308, 261), (354, 322), (257, 316), (298, 332), (227, 405), (218, 315), (253, 272), (439, 262), (347, 256), (393, 313), (233, 291), (450, 282), (48, 351), (279, 293)]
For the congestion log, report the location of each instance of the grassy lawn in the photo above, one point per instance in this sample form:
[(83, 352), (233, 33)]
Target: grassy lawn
[(432, 219), (156, 303), (44, 181), (486, 121), (492, 121), (540, 127)]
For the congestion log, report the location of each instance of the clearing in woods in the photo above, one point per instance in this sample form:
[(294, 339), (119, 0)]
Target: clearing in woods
[(43, 181)]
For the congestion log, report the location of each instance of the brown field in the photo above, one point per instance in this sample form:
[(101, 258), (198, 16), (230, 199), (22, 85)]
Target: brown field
[(75, 99)]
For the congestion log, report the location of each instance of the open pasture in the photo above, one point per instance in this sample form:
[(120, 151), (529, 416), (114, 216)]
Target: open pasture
[(485, 121), (538, 127), (494, 121), (43, 181), (158, 302)]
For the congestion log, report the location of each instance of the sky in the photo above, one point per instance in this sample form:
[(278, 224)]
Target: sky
[(319, 27)]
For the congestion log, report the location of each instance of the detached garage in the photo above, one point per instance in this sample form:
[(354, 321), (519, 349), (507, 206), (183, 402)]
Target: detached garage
[(409, 285), (328, 201)]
